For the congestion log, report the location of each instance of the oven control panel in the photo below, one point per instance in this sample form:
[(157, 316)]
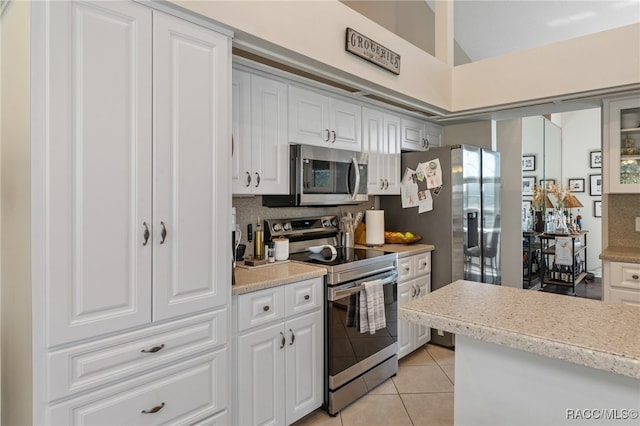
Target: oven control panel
[(292, 227)]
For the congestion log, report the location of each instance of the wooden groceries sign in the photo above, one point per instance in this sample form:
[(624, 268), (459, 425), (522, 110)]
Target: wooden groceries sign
[(373, 52)]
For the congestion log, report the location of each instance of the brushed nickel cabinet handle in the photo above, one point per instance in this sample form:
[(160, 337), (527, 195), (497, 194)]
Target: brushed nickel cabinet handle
[(163, 234), (154, 409), (381, 183), (413, 292), (386, 184), (248, 179), (333, 140), (257, 179), (293, 337), (328, 135), (153, 349), (146, 234), (283, 342)]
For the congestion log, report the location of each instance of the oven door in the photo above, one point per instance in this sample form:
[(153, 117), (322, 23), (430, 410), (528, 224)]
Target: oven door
[(351, 353)]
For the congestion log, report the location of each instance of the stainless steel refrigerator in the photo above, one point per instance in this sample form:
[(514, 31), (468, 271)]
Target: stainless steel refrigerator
[(464, 224)]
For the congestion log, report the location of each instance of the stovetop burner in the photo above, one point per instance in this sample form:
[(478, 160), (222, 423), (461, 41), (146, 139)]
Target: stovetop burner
[(343, 255)]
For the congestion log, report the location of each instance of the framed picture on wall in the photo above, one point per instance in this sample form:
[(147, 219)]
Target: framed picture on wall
[(547, 183), (528, 182), (528, 163), (595, 159), (576, 185), (597, 208), (595, 184)]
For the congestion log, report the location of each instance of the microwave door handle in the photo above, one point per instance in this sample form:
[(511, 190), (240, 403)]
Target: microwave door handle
[(354, 193)]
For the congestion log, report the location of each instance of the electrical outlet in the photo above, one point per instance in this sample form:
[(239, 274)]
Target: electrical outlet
[(440, 333), (638, 224)]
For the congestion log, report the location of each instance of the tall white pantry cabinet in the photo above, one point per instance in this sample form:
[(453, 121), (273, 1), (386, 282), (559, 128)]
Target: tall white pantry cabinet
[(130, 215)]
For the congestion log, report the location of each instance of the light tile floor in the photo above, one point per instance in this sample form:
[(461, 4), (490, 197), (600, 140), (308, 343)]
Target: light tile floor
[(420, 394)]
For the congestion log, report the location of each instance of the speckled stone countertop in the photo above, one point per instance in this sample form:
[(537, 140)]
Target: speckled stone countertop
[(588, 332), (403, 250), (621, 254), (258, 278)]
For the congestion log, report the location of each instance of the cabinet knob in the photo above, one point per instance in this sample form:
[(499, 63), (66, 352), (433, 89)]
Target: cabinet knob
[(266, 308), (153, 349), (163, 233), (635, 276), (154, 409), (145, 239), (307, 297)]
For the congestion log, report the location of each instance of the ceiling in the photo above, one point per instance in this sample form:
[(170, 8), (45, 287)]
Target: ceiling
[(487, 28)]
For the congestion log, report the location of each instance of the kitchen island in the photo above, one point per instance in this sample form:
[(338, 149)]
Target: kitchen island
[(536, 358)]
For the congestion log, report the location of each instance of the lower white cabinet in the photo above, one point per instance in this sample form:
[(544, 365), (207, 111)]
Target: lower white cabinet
[(621, 283), (414, 281), (183, 393), (280, 362)]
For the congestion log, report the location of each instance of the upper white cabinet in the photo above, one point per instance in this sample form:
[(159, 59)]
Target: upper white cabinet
[(621, 145), (134, 169), (419, 135), (260, 162), (381, 141), (317, 119)]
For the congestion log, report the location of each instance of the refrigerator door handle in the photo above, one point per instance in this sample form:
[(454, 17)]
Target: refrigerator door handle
[(472, 230)]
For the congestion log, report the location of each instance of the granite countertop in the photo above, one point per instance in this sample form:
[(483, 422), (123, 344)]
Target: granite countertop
[(621, 254), (403, 250), (588, 332), (272, 275)]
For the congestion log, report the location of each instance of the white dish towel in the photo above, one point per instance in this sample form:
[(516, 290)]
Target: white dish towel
[(564, 251), (371, 313)]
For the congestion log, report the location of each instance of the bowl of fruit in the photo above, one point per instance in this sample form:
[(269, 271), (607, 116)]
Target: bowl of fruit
[(407, 237)]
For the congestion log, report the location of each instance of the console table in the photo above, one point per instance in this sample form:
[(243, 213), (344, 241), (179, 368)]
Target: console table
[(565, 275)]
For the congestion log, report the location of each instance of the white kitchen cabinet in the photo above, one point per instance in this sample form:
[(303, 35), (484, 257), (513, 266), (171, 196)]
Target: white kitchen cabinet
[(280, 371), (381, 142), (260, 160), (414, 280), (321, 120), (420, 135), (621, 146), (129, 204), (129, 192), (621, 282)]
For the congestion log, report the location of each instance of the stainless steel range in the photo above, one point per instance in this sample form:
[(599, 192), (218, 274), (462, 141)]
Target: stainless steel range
[(355, 362)]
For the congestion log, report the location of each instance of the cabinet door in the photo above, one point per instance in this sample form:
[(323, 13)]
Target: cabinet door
[(241, 168), (622, 146), (98, 169), (345, 124), (304, 365), (261, 382), (270, 150), (373, 145), (191, 265), (413, 134), (433, 134), (405, 329), (392, 149), (421, 332), (308, 117)]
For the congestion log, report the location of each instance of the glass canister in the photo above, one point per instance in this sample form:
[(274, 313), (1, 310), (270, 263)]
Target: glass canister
[(628, 145)]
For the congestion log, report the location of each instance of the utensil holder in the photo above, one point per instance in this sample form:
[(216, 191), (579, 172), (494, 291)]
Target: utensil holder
[(348, 240)]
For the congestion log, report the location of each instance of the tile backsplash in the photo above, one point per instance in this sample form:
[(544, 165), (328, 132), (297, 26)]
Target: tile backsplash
[(248, 209), (622, 212)]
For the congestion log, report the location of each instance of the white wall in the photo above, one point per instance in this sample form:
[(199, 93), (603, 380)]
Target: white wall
[(475, 134), (581, 133), (15, 198), (313, 32), (509, 140)]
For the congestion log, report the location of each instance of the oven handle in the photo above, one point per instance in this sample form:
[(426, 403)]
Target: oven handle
[(356, 186), (389, 278)]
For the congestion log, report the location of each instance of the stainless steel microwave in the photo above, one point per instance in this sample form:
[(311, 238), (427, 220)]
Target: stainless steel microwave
[(322, 177)]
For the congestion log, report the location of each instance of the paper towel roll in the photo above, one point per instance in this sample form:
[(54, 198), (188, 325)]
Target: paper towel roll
[(281, 246), (375, 227)]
